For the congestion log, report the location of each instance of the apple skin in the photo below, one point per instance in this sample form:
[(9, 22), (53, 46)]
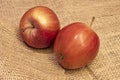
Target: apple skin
[(39, 27), (76, 46)]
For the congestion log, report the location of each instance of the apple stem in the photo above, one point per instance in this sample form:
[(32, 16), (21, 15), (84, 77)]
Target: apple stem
[(27, 28), (93, 19)]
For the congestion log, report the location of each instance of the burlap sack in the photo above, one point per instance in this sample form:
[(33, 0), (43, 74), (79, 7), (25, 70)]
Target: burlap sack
[(20, 62)]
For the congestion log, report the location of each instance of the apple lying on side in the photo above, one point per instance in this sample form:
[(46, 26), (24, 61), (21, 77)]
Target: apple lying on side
[(76, 46), (39, 26)]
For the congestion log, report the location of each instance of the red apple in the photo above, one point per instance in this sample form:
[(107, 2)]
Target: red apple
[(39, 26), (76, 46)]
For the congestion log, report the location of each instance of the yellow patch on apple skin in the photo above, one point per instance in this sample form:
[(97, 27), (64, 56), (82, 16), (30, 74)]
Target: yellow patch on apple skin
[(43, 20), (38, 16)]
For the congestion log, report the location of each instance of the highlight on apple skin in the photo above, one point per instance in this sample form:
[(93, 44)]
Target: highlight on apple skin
[(76, 46), (39, 27)]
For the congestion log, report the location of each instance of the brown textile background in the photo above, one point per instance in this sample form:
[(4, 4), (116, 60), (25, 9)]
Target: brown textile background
[(20, 62)]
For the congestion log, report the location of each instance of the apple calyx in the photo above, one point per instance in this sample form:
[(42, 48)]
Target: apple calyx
[(61, 57)]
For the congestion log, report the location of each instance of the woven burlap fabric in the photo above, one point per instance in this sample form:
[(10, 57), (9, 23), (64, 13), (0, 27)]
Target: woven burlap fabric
[(20, 62)]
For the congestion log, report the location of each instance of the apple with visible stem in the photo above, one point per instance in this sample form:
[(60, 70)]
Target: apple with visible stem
[(76, 45), (39, 27)]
